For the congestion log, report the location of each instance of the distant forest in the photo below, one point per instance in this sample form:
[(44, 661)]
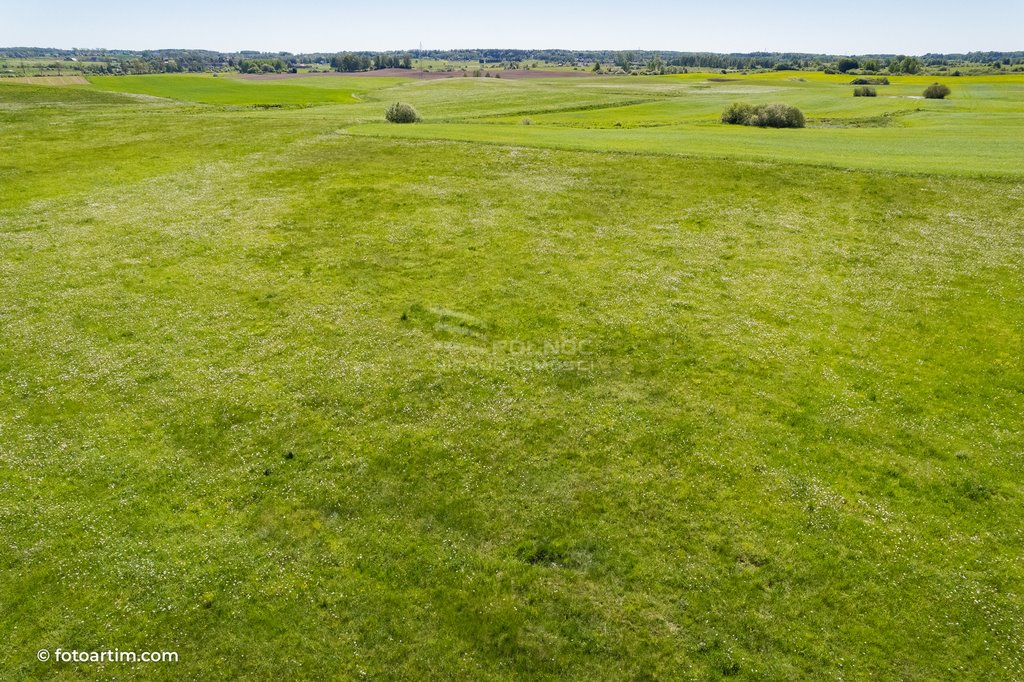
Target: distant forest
[(101, 61)]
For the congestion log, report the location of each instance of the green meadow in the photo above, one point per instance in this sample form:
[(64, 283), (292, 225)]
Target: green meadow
[(217, 89), (567, 381)]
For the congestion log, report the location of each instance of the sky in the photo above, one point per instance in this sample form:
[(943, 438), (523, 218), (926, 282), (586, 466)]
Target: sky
[(819, 26)]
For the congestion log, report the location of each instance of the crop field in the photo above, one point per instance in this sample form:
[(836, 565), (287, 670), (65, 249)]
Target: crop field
[(567, 381)]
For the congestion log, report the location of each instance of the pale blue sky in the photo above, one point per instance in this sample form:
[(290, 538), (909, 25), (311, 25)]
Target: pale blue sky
[(831, 26)]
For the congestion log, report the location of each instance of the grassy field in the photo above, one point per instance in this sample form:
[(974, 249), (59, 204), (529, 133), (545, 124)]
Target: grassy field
[(977, 131), (301, 395), (210, 89)]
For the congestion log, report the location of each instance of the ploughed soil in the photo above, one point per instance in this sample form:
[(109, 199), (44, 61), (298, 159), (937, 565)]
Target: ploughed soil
[(424, 75)]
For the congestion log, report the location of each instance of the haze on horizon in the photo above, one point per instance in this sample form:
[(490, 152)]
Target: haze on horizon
[(871, 27)]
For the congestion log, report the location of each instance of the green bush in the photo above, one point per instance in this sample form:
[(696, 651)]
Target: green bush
[(936, 91), (764, 115), (738, 114), (865, 91), (779, 116), (401, 113)]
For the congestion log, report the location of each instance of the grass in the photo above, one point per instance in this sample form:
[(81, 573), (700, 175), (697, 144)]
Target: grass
[(977, 131), (297, 397), (207, 89)]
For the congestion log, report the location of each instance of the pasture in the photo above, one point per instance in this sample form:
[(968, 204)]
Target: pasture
[(615, 392), (224, 89)]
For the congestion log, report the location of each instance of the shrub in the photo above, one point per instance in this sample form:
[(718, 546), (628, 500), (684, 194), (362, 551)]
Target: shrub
[(738, 114), (865, 91), (401, 113), (764, 115), (936, 91), (779, 116), (870, 81)]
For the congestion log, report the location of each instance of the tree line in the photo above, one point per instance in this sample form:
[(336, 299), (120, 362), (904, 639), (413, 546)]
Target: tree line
[(347, 61), (183, 61)]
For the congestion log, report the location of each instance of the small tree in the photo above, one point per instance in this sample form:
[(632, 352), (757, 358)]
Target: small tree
[(936, 91), (902, 64), (847, 64), (401, 113), (912, 65)]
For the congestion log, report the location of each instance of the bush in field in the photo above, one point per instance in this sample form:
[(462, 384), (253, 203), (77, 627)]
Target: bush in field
[(738, 114), (870, 81), (401, 113), (764, 115), (778, 116), (865, 92), (936, 91)]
